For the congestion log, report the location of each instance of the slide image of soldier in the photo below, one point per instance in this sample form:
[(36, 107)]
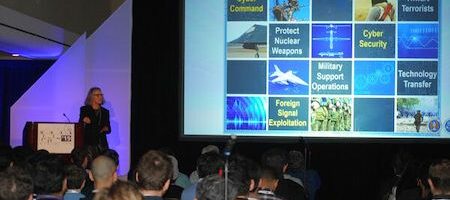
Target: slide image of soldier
[(331, 114), (289, 10), (246, 40), (375, 10), (414, 114)]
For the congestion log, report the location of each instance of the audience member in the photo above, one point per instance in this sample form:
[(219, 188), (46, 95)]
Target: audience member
[(76, 178), (153, 174), (207, 164), (309, 177), (245, 173), (120, 190), (212, 187), (193, 177), (15, 184), (79, 157), (174, 191), (287, 188), (267, 184), (439, 179), (103, 173), (49, 179)]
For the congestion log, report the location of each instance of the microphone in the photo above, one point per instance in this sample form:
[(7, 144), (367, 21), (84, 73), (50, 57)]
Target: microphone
[(230, 145), (68, 120)]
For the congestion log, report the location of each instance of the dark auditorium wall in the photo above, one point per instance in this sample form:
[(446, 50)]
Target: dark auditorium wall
[(16, 76), (349, 170)]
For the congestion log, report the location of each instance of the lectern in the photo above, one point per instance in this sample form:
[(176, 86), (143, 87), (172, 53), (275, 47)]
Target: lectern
[(55, 137)]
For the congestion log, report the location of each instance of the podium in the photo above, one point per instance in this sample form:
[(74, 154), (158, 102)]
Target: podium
[(55, 137)]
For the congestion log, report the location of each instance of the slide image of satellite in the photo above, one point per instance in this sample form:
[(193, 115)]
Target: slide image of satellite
[(288, 77), (289, 10), (246, 113), (331, 40), (247, 41), (408, 117)]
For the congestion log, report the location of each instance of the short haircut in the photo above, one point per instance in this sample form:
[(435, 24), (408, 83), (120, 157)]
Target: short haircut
[(276, 159), (296, 160), (154, 169), (268, 173), (78, 155), (75, 176), (242, 170), (15, 184), (48, 175), (103, 168), (210, 148), (120, 190), (209, 163), (212, 187), (439, 173), (111, 153)]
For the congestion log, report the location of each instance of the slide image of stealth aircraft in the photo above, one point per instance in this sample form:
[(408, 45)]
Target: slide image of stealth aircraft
[(285, 78), (255, 38)]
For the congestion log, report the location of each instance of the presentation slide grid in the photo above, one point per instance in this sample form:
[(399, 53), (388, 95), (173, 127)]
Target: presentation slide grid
[(332, 66)]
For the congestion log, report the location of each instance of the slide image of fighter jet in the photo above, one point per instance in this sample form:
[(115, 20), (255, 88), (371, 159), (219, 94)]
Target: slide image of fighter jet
[(331, 30), (285, 78)]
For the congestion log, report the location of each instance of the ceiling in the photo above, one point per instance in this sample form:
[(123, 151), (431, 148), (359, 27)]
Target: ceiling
[(44, 29)]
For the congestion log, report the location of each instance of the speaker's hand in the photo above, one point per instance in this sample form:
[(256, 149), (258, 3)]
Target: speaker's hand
[(87, 120), (104, 129)]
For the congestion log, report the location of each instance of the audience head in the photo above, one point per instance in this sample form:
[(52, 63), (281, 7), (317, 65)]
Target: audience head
[(401, 161), (212, 187), (103, 172), (111, 153), (175, 171), (439, 177), (268, 179), (243, 171), (276, 159), (154, 171), (79, 157), (210, 148), (296, 160), (15, 184), (20, 154), (76, 177), (209, 163), (120, 190), (48, 175)]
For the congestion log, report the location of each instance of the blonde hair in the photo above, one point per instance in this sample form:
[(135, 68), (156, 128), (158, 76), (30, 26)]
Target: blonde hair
[(90, 95)]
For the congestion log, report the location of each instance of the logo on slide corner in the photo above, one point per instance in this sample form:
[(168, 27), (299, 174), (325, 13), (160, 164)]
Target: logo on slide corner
[(434, 125), (447, 125)]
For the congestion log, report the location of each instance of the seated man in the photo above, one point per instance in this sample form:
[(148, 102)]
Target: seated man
[(288, 187), (103, 174), (439, 179), (16, 184), (213, 187), (76, 178), (153, 174)]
